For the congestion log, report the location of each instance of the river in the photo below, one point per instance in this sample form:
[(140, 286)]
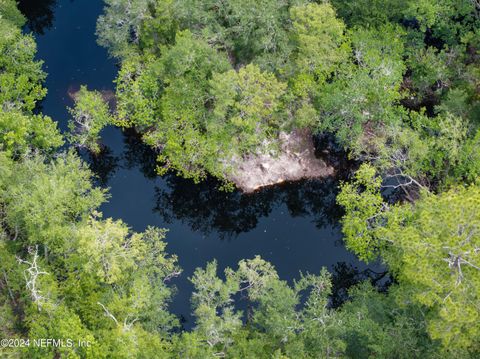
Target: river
[(294, 226)]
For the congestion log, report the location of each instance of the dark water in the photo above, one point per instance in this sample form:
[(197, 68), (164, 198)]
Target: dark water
[(294, 226)]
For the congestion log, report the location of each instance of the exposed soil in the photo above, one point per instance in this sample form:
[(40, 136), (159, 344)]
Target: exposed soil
[(295, 161)]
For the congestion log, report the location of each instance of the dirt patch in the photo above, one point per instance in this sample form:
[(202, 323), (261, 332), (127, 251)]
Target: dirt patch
[(296, 160)]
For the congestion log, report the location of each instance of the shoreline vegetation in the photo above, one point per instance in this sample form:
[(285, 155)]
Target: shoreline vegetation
[(294, 160), (397, 84)]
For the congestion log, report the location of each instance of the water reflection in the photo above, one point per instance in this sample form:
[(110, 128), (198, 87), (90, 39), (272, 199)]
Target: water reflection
[(275, 223), (206, 209), (294, 226), (346, 275), (39, 14), (103, 164), (138, 154)]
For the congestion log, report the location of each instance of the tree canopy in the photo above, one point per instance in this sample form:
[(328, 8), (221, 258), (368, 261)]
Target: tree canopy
[(397, 85)]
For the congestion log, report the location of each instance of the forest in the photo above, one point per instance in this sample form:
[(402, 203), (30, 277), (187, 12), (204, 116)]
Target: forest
[(209, 85)]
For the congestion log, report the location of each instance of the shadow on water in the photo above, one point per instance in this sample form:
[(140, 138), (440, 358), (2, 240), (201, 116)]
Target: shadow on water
[(39, 13), (103, 164), (295, 226), (205, 208)]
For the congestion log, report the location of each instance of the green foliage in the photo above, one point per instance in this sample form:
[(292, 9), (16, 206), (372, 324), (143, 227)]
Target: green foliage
[(369, 12), (277, 325), (181, 129), (430, 246), (438, 262), (208, 82), (21, 78), (429, 70), (40, 199), (371, 320), (160, 28), (295, 321), (245, 107), (190, 105), (362, 202), (242, 29), (321, 75), (137, 85), (182, 94), (363, 94), (19, 133), (446, 20), (320, 39), (121, 25), (74, 275), (20, 74), (469, 167), (10, 12), (89, 116)]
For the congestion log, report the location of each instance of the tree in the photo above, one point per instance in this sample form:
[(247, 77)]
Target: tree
[(89, 116), (74, 275), (246, 104), (21, 78), (10, 12), (20, 74), (277, 321), (320, 39), (361, 99), (430, 246), (212, 302), (120, 27), (371, 319), (242, 28), (20, 133), (369, 12)]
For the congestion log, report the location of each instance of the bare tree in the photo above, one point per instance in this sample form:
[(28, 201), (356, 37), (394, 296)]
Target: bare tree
[(32, 274)]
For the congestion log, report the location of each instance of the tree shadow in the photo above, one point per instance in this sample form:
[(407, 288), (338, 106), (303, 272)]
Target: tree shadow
[(39, 13), (138, 154), (206, 208), (346, 275), (104, 164)]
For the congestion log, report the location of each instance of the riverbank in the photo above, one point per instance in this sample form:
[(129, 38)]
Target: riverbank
[(294, 161)]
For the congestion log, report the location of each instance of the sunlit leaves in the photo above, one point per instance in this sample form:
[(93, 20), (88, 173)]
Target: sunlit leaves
[(89, 116), (431, 246)]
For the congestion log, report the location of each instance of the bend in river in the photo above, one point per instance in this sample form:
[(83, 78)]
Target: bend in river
[(294, 226)]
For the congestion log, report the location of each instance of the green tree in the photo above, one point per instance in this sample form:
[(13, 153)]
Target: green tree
[(242, 28), (320, 39), (361, 99), (89, 116), (10, 12), (73, 274), (20, 74), (120, 27), (430, 246), (20, 133)]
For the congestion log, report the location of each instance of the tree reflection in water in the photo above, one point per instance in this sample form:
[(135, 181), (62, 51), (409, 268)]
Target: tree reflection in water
[(207, 209), (345, 275), (103, 164), (39, 14), (225, 215)]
